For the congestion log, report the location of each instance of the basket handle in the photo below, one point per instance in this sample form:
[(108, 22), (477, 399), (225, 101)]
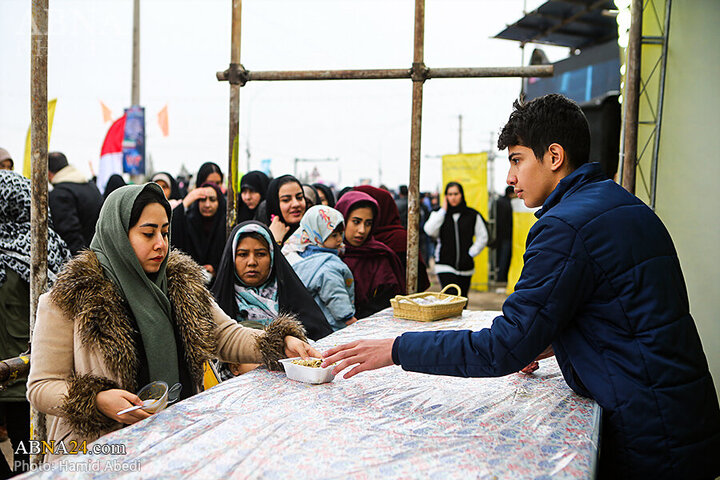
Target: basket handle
[(403, 297), (452, 285)]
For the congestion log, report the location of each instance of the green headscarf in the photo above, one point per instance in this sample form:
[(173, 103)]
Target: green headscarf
[(147, 298)]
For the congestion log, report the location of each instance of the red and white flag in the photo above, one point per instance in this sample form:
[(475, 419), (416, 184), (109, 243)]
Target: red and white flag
[(111, 154)]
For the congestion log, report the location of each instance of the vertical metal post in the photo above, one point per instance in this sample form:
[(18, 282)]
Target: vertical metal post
[(419, 73), (460, 134), (661, 96), (135, 93), (39, 178), (632, 97), (233, 141)]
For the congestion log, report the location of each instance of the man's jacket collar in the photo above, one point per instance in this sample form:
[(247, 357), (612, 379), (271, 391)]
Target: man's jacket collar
[(587, 173)]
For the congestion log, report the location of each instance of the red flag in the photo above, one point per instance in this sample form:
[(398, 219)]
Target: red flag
[(163, 121), (111, 153)]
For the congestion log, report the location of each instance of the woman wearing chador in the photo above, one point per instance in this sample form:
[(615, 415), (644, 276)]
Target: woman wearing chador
[(462, 235), (126, 313)]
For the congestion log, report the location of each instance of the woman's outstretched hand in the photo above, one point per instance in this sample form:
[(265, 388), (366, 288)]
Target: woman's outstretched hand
[(294, 347), (109, 402), (364, 354)]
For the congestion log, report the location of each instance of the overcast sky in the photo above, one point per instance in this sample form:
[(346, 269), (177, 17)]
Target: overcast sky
[(364, 124)]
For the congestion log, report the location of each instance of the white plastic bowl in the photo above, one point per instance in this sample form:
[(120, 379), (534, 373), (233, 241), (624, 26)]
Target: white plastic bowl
[(305, 374)]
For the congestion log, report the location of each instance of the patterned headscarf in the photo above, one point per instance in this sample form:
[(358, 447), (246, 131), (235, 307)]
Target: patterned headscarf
[(315, 227), (261, 302), (15, 238)]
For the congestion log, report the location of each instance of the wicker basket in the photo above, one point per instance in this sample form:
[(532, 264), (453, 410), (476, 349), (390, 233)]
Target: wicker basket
[(411, 310)]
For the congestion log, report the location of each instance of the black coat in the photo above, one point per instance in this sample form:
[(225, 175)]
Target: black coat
[(75, 208), (293, 297)]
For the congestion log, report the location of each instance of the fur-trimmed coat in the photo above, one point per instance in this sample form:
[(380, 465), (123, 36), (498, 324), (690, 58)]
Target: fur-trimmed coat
[(83, 342)]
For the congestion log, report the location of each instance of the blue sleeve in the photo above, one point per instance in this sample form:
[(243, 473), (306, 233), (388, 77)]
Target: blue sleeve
[(556, 279), (334, 293)]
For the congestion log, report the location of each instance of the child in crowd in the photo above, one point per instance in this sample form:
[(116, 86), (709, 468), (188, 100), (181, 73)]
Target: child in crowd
[(313, 251)]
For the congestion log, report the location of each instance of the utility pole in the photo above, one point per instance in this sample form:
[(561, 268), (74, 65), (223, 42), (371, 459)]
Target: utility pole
[(135, 93), (135, 86), (460, 134)]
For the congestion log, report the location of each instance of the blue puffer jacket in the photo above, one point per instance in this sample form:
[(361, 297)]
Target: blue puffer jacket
[(330, 282), (601, 282)]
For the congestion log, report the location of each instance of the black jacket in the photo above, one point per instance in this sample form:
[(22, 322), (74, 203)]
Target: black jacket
[(75, 208)]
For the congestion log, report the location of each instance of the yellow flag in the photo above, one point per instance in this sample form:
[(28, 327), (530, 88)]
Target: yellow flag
[(27, 162)]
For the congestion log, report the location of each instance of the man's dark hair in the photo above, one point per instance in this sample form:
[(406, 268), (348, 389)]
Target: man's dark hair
[(56, 162), (404, 190), (545, 120)]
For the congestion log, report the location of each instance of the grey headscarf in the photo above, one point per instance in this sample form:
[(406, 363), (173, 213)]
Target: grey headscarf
[(147, 297)]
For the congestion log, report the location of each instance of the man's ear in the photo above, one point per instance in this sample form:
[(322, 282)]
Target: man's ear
[(558, 156)]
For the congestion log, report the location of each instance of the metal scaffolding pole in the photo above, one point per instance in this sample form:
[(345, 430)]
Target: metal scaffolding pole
[(39, 179), (632, 98), (233, 140), (661, 99), (238, 76), (419, 72)]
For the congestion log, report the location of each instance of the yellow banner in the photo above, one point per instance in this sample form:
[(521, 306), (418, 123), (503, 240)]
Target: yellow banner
[(470, 171), (522, 222), (27, 162)]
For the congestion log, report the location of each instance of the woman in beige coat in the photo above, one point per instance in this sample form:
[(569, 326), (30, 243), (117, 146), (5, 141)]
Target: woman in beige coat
[(126, 313)]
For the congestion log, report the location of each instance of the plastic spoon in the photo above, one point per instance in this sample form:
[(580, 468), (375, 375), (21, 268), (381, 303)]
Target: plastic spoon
[(173, 395)]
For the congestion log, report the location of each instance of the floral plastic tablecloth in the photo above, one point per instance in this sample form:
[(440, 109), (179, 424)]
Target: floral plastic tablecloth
[(386, 423)]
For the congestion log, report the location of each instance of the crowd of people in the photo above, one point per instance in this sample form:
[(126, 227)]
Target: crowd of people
[(147, 286), (302, 262)]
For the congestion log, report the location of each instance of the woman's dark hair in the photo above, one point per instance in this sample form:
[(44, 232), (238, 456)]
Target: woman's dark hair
[(363, 204), (546, 120), (257, 236), (147, 196), (455, 184), (205, 170)]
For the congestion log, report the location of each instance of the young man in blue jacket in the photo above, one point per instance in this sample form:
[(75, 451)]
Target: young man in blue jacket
[(602, 285)]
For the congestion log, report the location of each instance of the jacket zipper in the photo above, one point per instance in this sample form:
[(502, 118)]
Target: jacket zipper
[(457, 244)]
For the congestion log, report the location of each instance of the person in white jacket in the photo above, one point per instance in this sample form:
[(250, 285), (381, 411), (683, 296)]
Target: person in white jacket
[(461, 234)]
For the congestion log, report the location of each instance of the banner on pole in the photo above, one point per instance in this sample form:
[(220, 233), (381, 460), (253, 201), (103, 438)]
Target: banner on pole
[(133, 145)]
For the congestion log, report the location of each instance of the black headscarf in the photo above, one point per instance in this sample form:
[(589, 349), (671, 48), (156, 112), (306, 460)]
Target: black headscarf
[(205, 170), (293, 297), (114, 182), (343, 192), (203, 239), (256, 181), (272, 200), (327, 191), (462, 206)]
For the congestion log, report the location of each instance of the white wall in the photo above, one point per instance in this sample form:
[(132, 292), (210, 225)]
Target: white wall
[(688, 200)]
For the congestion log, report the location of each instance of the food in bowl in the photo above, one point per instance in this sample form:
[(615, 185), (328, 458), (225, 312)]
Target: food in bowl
[(312, 363), (308, 371)]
